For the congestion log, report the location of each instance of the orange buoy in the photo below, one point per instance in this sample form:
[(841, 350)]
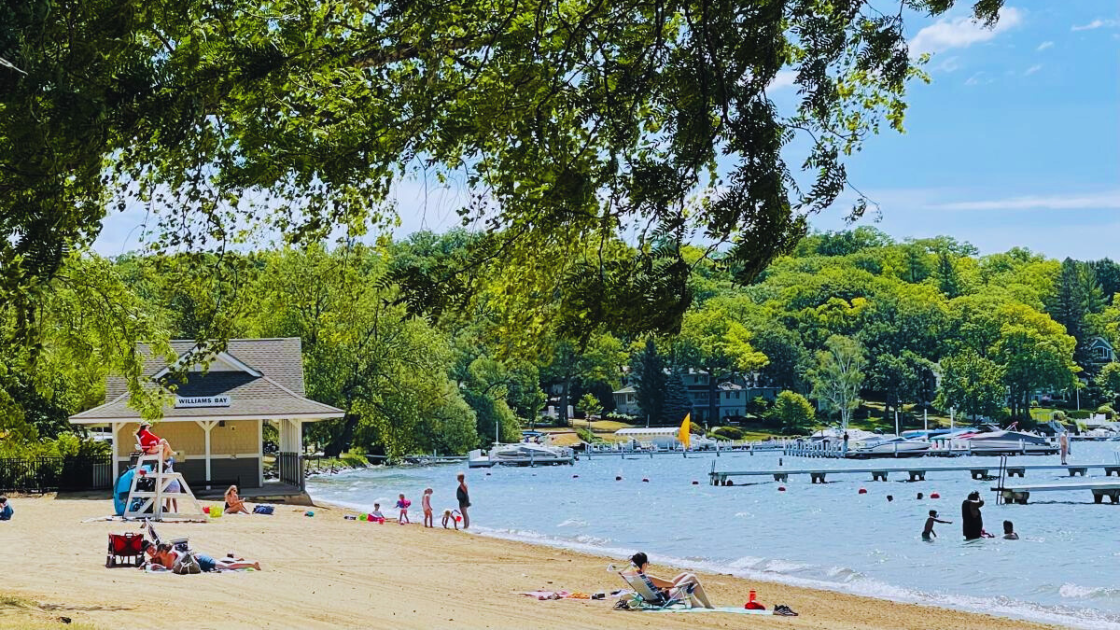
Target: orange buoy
[(863, 490), (934, 495)]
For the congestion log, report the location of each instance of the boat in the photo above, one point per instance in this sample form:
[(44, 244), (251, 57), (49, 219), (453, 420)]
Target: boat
[(662, 438), (521, 454), (886, 446), (1008, 442)]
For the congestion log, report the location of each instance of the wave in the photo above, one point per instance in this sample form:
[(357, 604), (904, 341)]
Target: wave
[(838, 579), (1076, 591)]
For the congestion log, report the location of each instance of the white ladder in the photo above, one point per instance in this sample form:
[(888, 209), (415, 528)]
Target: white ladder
[(148, 504)]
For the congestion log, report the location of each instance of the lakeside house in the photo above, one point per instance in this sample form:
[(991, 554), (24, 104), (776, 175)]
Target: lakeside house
[(215, 417), (1101, 352), (733, 393)]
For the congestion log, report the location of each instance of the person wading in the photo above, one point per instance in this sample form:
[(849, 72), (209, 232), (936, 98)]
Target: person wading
[(464, 498), (971, 521)]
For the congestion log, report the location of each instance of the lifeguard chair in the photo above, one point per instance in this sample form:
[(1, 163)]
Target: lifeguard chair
[(146, 500)]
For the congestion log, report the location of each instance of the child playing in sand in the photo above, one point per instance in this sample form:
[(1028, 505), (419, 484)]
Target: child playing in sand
[(928, 533), (451, 515), (376, 513), (426, 503), (402, 507)]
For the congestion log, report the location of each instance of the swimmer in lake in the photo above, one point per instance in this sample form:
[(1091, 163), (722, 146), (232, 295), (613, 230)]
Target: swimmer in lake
[(1009, 531), (928, 534)]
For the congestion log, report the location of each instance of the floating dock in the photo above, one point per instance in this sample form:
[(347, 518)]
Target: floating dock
[(1019, 493)]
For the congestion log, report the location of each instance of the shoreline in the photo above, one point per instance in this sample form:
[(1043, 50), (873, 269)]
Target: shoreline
[(327, 572)]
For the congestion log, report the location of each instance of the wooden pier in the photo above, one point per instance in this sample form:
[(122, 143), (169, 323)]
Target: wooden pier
[(834, 449), (915, 473)]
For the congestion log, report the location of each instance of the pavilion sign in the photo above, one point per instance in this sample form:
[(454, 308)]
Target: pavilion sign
[(183, 402)]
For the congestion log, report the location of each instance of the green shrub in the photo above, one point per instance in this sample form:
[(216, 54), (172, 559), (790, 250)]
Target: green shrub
[(354, 458), (1078, 415), (587, 435), (758, 406), (1107, 410), (1060, 416), (1034, 404), (794, 412), (728, 433)]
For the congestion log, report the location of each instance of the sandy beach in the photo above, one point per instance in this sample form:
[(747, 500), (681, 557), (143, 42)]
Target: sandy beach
[(327, 572)]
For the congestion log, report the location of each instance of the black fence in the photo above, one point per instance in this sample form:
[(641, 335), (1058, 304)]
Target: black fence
[(53, 474), (289, 468)]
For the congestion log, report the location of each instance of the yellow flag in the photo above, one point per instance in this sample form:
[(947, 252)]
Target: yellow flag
[(685, 434)]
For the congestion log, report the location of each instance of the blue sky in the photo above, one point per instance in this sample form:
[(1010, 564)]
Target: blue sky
[(1016, 142), (1017, 139)]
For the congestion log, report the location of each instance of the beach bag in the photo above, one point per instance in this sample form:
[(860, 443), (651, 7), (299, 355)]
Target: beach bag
[(215, 511), (187, 564), (263, 509)]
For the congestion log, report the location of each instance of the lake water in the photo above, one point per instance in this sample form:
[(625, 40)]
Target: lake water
[(1065, 569)]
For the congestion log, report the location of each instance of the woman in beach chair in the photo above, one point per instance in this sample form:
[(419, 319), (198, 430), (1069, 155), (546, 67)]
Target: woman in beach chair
[(660, 592)]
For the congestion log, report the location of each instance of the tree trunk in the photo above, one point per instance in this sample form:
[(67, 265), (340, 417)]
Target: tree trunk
[(713, 397), (341, 439), (565, 391)]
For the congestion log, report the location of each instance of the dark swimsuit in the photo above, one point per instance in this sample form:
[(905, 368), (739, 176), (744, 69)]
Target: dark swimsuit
[(973, 526), (464, 499)]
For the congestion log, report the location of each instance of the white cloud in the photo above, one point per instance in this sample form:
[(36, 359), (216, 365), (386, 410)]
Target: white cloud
[(1044, 45), (1033, 69), (1095, 24), (962, 32), (1109, 200), (950, 64), (784, 79), (978, 79)]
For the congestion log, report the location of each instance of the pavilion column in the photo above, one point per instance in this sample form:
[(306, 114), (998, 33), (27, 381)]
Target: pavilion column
[(115, 470), (207, 425), (260, 453)]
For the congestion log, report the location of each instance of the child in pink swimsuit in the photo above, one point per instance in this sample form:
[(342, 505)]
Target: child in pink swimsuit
[(426, 502)]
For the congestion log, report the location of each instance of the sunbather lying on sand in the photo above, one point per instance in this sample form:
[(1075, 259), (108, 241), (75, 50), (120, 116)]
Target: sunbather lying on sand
[(683, 585), (165, 556)]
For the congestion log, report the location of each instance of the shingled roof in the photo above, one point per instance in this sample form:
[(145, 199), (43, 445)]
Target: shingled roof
[(275, 390)]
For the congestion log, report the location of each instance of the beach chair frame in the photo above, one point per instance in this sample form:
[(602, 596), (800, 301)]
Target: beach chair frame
[(125, 550), (651, 597)]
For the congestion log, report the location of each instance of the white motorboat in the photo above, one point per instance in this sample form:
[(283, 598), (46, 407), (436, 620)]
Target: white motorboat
[(522, 454), (887, 446), (663, 438), (1008, 441)]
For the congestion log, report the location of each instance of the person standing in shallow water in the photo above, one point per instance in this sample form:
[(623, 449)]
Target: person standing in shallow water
[(971, 520), (464, 498), (1063, 446)]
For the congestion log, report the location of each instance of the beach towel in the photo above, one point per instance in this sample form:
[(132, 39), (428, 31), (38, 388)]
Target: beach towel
[(543, 595), (734, 610)]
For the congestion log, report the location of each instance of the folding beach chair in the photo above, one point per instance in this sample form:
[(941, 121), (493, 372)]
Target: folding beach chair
[(125, 550), (649, 595)]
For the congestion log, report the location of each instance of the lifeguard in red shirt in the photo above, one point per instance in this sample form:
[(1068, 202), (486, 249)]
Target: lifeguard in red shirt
[(151, 443)]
